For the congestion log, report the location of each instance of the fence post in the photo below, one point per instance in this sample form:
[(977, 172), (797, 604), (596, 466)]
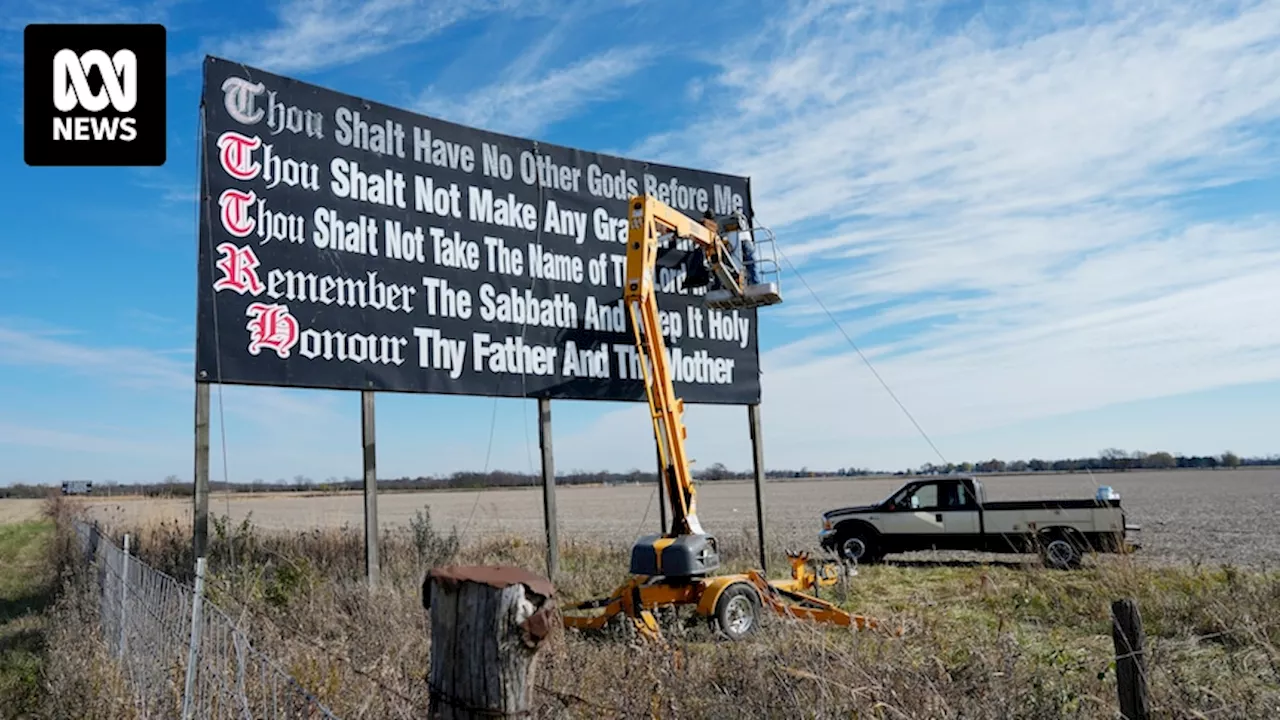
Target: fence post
[(193, 651), (1131, 665), (487, 626), (124, 592)]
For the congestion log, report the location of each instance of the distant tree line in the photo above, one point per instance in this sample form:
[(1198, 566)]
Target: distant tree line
[(1110, 460)]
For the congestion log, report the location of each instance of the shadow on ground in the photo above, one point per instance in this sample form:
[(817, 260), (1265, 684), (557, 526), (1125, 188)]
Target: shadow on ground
[(25, 595)]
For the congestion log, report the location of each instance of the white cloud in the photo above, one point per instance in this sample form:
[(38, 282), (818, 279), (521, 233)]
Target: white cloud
[(823, 408), (855, 120), (523, 104), (318, 34), (269, 432), (73, 442), (167, 188), (19, 13), (156, 371), (1011, 200), (128, 366)]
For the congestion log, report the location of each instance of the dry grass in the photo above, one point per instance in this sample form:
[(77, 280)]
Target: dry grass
[(983, 641), (51, 666), (20, 510)]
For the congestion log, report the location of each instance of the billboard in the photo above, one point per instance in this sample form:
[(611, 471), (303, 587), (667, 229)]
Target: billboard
[(347, 244)]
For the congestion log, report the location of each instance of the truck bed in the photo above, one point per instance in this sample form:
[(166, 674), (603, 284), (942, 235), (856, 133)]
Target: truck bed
[(1063, 504)]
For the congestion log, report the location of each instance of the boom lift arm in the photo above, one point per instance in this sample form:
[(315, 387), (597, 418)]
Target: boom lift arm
[(675, 567), (651, 219)]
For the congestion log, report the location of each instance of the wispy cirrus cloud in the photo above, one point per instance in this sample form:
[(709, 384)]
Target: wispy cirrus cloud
[(856, 118), (167, 188), (129, 366), (72, 441), (19, 13), (331, 33), (257, 431), (525, 102), (1001, 212), (145, 369), (556, 77)]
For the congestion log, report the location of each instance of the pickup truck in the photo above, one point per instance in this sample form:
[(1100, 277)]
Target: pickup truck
[(953, 514)]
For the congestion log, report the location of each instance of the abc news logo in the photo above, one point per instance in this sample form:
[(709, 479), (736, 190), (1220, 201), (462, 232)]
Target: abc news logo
[(94, 95)]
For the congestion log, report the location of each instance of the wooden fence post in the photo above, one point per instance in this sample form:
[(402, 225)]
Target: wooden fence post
[(1131, 664), (487, 626)]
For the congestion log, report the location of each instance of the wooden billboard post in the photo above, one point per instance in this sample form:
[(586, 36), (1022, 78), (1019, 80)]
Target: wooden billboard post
[(369, 444), (200, 511), (548, 486), (757, 457)]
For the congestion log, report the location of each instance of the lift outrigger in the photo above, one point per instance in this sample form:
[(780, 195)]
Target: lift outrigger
[(677, 566)]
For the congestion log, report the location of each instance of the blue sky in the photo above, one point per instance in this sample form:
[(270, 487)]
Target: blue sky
[(1052, 228)]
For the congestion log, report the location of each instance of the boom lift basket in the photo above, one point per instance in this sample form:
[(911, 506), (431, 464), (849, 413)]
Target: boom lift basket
[(762, 249)]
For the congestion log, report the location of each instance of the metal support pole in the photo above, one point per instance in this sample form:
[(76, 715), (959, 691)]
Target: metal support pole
[(548, 487), (757, 455), (371, 565), (200, 520), (193, 650), (124, 594)]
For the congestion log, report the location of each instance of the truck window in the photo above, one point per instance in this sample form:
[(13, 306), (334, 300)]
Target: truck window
[(924, 498), (950, 495)]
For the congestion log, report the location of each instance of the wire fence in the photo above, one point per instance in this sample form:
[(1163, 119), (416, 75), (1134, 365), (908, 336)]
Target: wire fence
[(174, 667)]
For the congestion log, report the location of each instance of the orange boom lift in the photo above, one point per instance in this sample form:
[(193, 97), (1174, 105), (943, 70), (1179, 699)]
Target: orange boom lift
[(676, 567)]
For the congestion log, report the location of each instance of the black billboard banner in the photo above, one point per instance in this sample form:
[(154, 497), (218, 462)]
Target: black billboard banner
[(347, 244)]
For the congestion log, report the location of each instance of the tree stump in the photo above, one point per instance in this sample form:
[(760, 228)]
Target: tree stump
[(487, 626)]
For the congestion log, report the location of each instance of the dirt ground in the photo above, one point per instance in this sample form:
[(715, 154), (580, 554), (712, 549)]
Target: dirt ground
[(1208, 516)]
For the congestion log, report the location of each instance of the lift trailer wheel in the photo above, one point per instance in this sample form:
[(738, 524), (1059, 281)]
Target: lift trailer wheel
[(737, 613)]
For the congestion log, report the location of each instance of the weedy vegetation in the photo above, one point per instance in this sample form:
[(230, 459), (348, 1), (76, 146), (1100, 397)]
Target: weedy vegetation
[(980, 640)]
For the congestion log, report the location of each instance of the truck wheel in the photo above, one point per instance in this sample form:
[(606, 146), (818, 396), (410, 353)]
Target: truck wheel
[(737, 613), (1059, 552), (858, 547)]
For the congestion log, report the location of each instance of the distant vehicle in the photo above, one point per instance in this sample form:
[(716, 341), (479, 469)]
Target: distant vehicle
[(954, 514), (77, 487)]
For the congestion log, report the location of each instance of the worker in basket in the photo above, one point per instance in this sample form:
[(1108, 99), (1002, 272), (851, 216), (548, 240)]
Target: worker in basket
[(742, 244), (737, 233)]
